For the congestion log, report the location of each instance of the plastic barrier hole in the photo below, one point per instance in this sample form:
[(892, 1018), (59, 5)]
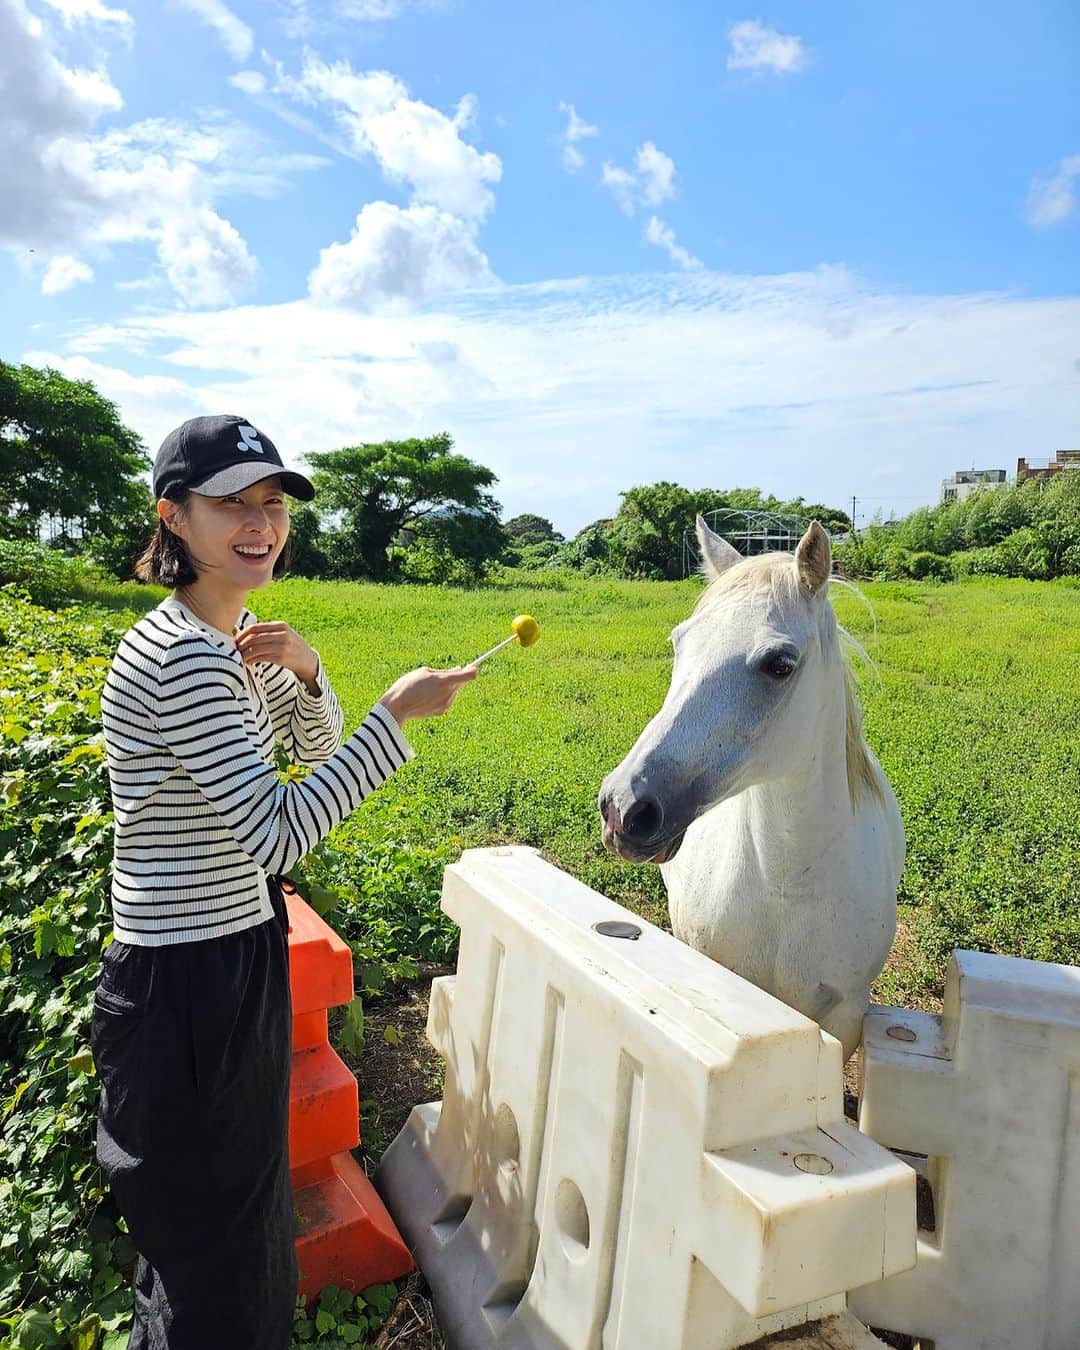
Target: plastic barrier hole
[(899, 1033), (617, 928), (507, 1139), (573, 1219), (813, 1162)]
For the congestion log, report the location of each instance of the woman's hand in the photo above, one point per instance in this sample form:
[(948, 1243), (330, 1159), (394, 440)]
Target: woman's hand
[(425, 692), (281, 646)]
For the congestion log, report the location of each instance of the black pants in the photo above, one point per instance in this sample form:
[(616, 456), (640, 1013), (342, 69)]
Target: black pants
[(192, 1044)]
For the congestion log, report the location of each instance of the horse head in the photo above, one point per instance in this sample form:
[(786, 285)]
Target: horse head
[(756, 666)]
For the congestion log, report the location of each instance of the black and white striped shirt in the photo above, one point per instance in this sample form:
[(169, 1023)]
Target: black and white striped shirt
[(201, 817)]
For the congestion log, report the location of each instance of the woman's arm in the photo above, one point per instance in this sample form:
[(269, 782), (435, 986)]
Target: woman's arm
[(304, 710), (200, 719), (308, 724)]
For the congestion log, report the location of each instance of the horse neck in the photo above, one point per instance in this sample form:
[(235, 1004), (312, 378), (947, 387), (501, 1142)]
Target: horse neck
[(807, 812)]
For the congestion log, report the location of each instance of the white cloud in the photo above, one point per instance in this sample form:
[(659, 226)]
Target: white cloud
[(622, 184), (90, 11), (250, 81), (302, 19), (656, 174), (63, 272), (69, 190), (236, 37), (755, 47), (652, 183), (369, 11), (400, 253), (661, 234), (42, 103), (413, 143), (394, 254), (572, 391), (1052, 199), (577, 129), (205, 259)]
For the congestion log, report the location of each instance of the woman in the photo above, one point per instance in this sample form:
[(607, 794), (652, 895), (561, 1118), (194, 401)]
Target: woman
[(191, 1027)]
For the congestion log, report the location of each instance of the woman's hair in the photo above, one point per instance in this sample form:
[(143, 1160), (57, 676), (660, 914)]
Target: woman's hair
[(165, 560)]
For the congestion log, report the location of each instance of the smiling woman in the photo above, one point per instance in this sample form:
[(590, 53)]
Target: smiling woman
[(191, 1025)]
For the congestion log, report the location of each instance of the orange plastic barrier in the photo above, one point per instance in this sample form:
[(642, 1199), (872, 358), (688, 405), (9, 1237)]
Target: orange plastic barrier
[(344, 1234)]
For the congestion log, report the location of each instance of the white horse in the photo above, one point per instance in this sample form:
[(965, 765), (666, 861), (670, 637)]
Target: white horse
[(779, 838)]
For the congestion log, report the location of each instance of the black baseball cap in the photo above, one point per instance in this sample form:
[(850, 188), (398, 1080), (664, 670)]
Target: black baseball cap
[(214, 456)]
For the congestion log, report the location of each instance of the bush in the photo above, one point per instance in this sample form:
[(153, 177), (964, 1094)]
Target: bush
[(1070, 561), (1025, 554), (48, 577), (922, 565), (429, 562), (534, 557), (63, 1255)]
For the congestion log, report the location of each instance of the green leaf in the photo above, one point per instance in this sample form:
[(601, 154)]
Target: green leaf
[(352, 1030), (321, 899), (83, 1062), (35, 1330), (85, 1333), (350, 1333), (335, 1300), (391, 1035), (74, 1265), (10, 1279), (325, 1322), (372, 977), (20, 1090), (88, 750)]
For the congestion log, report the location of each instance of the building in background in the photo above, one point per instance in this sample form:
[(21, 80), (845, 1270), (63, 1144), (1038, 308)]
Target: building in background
[(1047, 468), (966, 481)]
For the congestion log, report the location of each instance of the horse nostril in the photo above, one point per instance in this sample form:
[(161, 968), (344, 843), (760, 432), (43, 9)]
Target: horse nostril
[(643, 819)]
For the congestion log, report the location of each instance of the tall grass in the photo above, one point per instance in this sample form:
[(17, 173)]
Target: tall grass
[(974, 715)]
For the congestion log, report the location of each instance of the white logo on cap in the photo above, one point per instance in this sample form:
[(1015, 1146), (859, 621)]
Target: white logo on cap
[(250, 440)]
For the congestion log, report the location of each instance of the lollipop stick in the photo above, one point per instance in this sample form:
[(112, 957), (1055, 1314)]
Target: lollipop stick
[(497, 648)]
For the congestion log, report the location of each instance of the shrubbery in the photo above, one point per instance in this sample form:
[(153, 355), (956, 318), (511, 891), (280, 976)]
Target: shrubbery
[(46, 575), (1030, 530), (63, 1256)]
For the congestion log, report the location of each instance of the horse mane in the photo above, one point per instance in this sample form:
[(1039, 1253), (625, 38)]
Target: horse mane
[(778, 573)]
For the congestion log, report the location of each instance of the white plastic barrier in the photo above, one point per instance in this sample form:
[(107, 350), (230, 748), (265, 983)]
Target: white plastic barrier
[(990, 1091), (636, 1149)]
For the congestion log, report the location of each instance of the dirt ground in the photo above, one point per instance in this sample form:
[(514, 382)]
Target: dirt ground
[(394, 1078)]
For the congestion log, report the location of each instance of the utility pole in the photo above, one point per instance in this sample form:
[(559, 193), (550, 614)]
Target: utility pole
[(853, 530)]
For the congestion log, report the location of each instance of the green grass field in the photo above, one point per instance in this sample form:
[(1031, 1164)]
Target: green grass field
[(974, 711)]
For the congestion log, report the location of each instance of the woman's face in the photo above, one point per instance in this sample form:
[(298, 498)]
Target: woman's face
[(236, 539)]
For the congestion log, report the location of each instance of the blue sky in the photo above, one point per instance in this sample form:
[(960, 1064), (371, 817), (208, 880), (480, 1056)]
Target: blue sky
[(826, 250)]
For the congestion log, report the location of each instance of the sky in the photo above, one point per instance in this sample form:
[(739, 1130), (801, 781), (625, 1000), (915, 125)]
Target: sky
[(829, 251)]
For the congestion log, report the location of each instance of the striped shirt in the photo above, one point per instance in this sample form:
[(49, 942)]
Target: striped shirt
[(201, 816)]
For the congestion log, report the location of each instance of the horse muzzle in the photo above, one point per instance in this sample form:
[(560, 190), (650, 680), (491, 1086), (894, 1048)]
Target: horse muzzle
[(639, 836)]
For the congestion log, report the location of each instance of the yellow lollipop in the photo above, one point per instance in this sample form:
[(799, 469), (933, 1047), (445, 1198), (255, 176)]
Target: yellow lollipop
[(523, 629), (526, 630)]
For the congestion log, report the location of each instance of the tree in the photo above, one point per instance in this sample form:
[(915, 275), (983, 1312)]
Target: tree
[(70, 470), (646, 536), (529, 529), (452, 545), (380, 490), (307, 542)]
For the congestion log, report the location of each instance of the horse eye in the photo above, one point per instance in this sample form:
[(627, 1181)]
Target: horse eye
[(779, 667)]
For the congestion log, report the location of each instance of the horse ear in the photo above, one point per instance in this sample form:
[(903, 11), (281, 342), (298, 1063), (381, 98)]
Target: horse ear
[(717, 554), (813, 558)]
